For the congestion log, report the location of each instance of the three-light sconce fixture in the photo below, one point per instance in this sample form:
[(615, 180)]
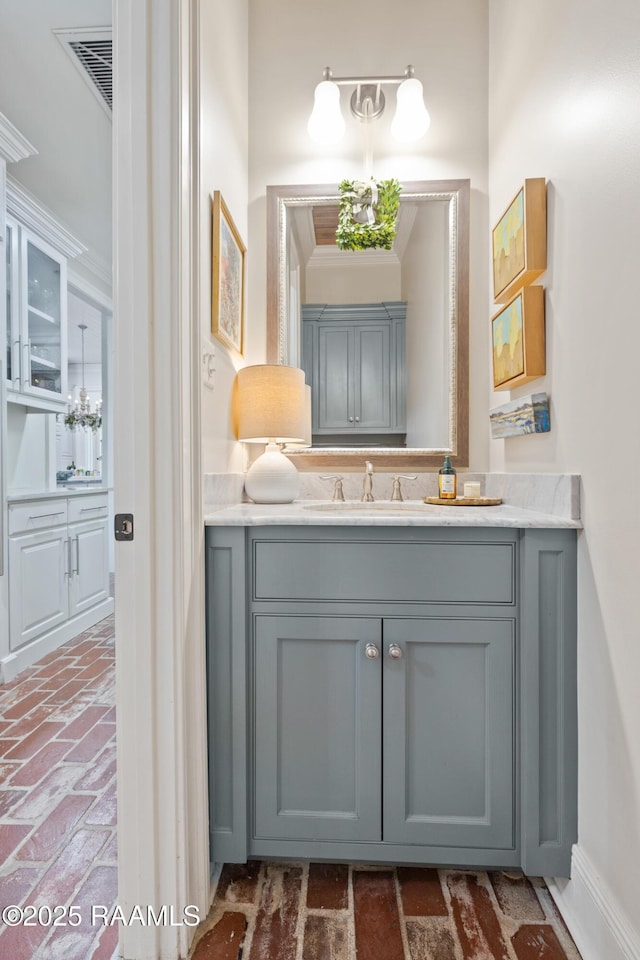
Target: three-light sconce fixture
[(411, 120)]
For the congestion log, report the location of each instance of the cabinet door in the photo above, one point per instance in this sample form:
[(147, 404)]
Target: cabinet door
[(335, 377), (44, 319), (12, 314), (38, 592), (372, 380), (89, 580), (449, 732), (316, 728)]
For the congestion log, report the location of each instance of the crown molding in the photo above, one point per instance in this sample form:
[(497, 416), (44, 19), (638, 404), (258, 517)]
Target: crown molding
[(96, 265), (13, 146), (29, 211)]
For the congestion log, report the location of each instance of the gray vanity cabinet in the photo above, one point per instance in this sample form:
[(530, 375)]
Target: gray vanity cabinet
[(354, 360), (393, 694), (414, 750)]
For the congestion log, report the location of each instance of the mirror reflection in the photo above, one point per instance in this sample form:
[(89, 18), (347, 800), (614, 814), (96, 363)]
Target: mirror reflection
[(381, 335)]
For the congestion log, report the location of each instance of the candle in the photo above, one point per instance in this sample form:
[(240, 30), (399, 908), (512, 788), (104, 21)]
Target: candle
[(472, 490)]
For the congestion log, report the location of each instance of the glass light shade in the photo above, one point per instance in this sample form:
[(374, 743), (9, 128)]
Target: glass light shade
[(326, 123), (271, 404), (411, 120)]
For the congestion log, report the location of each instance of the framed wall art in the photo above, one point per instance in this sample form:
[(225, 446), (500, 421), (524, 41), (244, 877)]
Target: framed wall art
[(228, 277), (519, 241), (518, 340), (521, 417)]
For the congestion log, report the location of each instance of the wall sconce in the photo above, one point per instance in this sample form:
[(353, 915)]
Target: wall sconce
[(272, 408), (411, 121)]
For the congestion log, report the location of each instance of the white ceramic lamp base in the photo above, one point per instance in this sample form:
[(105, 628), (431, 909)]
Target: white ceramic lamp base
[(272, 478)]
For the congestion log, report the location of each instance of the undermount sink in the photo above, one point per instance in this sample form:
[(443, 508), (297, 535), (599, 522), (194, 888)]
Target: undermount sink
[(378, 506)]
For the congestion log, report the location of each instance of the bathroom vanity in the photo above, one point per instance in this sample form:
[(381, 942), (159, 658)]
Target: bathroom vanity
[(392, 685)]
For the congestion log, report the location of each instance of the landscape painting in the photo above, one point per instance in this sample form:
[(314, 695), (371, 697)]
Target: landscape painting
[(517, 332), (508, 244), (508, 352), (228, 276), (526, 415), (519, 241)]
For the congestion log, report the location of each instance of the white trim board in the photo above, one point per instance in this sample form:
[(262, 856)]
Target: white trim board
[(26, 208), (13, 145), (600, 930)]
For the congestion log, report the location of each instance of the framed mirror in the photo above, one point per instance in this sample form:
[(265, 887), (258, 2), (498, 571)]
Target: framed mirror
[(324, 304)]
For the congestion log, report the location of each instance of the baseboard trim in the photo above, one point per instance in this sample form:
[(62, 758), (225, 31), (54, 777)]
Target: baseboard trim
[(19, 660), (597, 925)]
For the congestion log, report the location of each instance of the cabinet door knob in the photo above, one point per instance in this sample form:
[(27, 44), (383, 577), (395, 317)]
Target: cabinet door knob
[(371, 651), (395, 652), (350, 419), (357, 419)]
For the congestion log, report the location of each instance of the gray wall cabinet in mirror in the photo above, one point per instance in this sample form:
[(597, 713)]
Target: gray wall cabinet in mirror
[(428, 268)]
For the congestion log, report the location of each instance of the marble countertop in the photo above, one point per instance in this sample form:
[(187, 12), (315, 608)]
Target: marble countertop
[(56, 494), (410, 513)]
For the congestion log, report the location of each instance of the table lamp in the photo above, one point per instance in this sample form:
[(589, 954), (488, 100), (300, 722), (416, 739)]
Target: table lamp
[(271, 409)]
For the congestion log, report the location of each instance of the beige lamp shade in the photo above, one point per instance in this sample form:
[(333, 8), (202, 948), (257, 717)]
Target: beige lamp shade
[(271, 404), (307, 442)]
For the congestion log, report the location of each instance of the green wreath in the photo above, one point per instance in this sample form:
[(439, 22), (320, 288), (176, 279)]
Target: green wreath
[(367, 214)]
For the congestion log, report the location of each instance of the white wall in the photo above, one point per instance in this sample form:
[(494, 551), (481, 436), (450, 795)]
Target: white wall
[(370, 283), (223, 80), (564, 104), (447, 43)]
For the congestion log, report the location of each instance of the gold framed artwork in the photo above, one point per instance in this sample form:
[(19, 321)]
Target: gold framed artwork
[(228, 278), (519, 240), (518, 340)]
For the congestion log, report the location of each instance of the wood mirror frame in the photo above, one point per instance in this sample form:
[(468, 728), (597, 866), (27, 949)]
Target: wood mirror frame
[(457, 192)]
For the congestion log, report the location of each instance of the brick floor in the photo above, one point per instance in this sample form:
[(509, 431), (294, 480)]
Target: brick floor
[(57, 798), (315, 911)]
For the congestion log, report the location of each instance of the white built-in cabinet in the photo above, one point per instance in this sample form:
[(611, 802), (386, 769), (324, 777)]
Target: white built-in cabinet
[(36, 254), (58, 568)]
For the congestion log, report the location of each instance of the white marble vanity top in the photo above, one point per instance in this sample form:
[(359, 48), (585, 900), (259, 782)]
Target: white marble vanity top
[(410, 513)]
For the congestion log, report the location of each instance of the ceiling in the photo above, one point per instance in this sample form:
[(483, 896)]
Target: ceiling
[(44, 95)]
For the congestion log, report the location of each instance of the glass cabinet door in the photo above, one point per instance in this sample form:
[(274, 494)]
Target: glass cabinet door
[(44, 336), (9, 344)]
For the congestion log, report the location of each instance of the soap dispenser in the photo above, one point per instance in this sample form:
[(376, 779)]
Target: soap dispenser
[(447, 481)]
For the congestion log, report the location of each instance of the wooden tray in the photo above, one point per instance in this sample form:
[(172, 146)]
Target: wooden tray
[(466, 501)]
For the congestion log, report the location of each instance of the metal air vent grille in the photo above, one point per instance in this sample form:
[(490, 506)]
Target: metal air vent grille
[(91, 52)]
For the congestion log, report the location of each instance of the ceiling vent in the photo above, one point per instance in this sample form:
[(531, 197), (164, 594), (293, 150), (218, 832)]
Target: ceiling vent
[(90, 50)]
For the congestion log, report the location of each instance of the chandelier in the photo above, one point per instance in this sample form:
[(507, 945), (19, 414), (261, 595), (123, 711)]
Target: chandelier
[(80, 414)]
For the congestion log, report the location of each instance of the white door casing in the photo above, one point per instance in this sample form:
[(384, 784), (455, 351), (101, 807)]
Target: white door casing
[(160, 694)]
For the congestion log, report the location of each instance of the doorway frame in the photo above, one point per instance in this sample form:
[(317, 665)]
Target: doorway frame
[(160, 651)]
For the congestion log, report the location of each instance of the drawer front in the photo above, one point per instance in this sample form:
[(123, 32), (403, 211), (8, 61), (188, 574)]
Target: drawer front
[(411, 572), (91, 507), (30, 515)]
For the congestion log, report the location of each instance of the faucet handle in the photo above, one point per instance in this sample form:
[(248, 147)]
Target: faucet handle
[(396, 492), (338, 493)]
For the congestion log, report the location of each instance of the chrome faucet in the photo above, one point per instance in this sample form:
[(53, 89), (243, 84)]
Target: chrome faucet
[(367, 483)]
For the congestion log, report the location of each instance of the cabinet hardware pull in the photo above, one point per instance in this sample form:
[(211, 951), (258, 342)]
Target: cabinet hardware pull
[(395, 652), (65, 544), (77, 566), (69, 562), (90, 509), (43, 516), (18, 343), (371, 651)]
